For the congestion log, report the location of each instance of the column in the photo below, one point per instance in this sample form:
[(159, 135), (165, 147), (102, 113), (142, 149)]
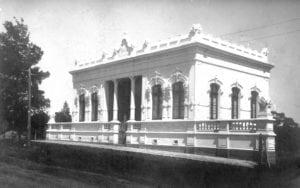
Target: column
[(115, 108), (148, 104), (88, 105), (165, 97), (103, 106), (132, 101), (186, 102), (99, 110), (170, 104), (75, 109)]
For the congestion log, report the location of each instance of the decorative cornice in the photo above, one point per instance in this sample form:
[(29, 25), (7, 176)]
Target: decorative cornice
[(195, 36)]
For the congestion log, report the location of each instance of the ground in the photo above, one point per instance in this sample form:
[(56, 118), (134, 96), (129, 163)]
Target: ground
[(17, 169), (18, 172)]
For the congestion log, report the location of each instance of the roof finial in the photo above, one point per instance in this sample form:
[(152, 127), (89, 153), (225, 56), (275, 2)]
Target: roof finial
[(265, 51), (196, 29)]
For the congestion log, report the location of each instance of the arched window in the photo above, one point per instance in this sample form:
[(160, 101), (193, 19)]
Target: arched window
[(235, 103), (214, 101), (254, 97), (178, 100), (81, 107), (156, 102), (94, 106)]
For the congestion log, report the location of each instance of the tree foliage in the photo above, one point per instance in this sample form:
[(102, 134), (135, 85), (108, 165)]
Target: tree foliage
[(39, 124), (64, 114), (287, 134), (17, 55)]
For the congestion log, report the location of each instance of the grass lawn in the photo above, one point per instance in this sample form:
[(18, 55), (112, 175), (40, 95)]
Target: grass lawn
[(17, 171), (19, 168)]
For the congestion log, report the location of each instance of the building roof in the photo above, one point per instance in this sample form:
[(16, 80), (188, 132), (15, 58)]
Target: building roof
[(195, 36)]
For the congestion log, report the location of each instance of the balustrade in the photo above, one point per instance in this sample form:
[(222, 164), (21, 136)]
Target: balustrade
[(138, 130)]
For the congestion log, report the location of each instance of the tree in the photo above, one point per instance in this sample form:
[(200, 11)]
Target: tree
[(64, 114), (287, 134), (39, 124), (17, 55)]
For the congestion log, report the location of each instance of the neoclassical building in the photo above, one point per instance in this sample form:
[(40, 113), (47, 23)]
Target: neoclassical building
[(192, 93)]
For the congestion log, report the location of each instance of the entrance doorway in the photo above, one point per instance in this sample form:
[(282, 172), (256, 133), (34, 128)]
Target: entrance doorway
[(124, 88)]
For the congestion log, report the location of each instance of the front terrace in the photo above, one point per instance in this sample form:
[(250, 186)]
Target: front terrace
[(247, 139)]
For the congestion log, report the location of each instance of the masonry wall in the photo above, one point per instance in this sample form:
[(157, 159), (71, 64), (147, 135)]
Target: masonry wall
[(227, 73)]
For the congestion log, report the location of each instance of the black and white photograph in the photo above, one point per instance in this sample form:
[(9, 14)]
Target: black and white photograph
[(149, 93)]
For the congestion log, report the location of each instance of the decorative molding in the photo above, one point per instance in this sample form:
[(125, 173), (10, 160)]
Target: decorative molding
[(215, 81), (81, 90), (94, 89), (196, 29), (236, 84), (255, 88), (157, 80), (147, 94), (177, 76), (265, 51)]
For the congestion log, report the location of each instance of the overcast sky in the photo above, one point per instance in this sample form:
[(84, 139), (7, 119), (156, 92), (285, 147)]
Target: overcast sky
[(69, 30)]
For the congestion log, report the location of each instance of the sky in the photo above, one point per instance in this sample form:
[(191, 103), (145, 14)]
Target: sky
[(80, 30)]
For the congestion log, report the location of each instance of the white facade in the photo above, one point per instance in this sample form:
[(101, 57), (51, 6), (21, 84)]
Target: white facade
[(196, 60)]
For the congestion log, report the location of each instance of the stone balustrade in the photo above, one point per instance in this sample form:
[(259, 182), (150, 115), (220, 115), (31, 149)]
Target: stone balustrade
[(84, 132), (214, 135)]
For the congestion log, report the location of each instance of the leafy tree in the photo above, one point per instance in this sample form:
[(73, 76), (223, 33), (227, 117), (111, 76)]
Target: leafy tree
[(287, 135), (64, 114), (39, 124), (17, 55)]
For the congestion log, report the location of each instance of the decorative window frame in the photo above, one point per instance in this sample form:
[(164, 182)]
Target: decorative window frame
[(220, 93), (256, 89), (178, 76), (240, 87), (156, 79), (82, 91)]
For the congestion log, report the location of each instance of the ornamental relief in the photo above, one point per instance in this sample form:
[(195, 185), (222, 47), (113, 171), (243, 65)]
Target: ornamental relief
[(177, 76), (157, 80), (94, 89)]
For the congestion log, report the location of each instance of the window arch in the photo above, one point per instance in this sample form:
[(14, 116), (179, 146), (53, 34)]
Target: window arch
[(157, 102), (94, 99), (81, 107), (178, 100), (214, 100), (235, 103), (253, 103)]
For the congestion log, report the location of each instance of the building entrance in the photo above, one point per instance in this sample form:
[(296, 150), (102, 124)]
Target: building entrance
[(124, 88)]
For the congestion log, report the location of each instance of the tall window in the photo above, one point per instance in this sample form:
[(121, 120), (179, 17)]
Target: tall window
[(235, 103), (156, 102), (94, 106), (178, 100), (214, 101), (81, 107), (254, 96)]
